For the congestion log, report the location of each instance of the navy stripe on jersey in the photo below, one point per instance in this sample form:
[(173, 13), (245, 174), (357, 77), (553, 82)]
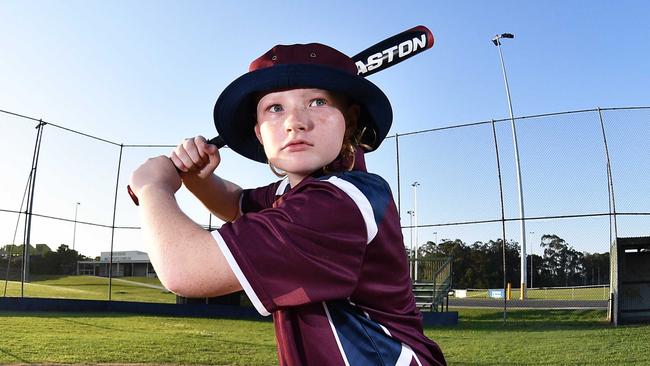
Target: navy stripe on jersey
[(362, 340)]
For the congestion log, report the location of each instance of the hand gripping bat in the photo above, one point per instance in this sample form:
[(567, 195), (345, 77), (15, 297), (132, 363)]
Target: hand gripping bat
[(375, 58)]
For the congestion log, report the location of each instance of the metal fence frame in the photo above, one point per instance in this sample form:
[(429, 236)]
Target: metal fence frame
[(612, 214)]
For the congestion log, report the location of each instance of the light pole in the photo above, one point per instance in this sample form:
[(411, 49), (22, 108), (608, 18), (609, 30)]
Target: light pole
[(497, 42), (74, 231), (435, 235), (415, 213), (411, 213)]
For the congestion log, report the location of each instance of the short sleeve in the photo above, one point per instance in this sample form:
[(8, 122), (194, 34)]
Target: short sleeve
[(308, 249), (258, 199)]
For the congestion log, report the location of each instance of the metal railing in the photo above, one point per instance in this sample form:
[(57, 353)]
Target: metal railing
[(431, 290)]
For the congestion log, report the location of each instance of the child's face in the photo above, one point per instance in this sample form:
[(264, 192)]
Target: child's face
[(301, 130)]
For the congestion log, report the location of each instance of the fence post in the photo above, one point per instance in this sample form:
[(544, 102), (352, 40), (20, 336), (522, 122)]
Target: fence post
[(503, 221), (399, 186), (435, 291), (110, 261), (30, 206), (610, 181)]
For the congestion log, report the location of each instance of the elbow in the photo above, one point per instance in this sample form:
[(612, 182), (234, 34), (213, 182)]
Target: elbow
[(174, 280), (194, 286), (200, 292), (182, 288), (170, 282)]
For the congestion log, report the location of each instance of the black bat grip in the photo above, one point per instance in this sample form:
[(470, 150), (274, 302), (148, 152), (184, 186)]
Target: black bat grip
[(218, 141)]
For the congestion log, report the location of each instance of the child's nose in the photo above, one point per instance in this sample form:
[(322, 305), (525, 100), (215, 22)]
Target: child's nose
[(297, 120)]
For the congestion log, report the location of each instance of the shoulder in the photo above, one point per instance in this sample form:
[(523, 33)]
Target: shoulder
[(366, 182), (358, 185), (354, 184), (370, 194)]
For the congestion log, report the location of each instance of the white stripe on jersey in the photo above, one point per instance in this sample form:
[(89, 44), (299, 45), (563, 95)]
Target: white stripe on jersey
[(362, 203), (282, 187), (336, 335), (406, 356), (239, 274)]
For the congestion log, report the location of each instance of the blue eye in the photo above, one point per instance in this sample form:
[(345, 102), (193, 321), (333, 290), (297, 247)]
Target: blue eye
[(318, 102), (275, 108)]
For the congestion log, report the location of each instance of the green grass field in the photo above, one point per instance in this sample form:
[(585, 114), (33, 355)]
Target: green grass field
[(561, 337), (92, 288), (578, 293), (150, 290)]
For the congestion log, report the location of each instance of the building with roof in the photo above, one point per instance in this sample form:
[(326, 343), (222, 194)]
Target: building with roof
[(130, 263)]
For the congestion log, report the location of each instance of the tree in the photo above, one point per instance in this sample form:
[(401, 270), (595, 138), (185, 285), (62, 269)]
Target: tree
[(17, 250), (596, 268), (477, 266), (561, 261), (480, 265), (62, 262)]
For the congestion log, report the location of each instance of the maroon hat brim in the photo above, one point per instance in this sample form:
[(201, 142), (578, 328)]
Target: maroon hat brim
[(234, 111)]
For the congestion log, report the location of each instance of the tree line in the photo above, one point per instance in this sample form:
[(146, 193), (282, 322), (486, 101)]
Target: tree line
[(476, 265), (480, 264), (42, 260)]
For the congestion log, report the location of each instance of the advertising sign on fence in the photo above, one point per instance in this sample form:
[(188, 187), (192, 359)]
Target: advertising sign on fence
[(496, 293)]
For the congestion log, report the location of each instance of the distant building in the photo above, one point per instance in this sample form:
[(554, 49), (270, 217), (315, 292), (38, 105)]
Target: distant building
[(630, 281), (131, 263)]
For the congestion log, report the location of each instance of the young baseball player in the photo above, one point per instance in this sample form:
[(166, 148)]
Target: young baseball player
[(321, 250)]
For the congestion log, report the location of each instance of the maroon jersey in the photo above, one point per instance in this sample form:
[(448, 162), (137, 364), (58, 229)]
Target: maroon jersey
[(327, 259)]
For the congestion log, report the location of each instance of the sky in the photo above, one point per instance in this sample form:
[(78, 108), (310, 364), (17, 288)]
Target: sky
[(149, 72)]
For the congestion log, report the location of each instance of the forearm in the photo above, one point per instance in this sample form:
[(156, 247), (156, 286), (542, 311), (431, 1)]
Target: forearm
[(187, 259), (218, 195)]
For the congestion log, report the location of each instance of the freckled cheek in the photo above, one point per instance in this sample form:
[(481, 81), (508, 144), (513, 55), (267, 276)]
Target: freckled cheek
[(270, 137), (336, 142)]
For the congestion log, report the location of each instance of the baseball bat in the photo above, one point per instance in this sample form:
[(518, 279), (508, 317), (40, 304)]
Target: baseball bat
[(393, 50), (375, 58)]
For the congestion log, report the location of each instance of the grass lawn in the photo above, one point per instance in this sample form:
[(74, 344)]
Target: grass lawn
[(92, 288), (117, 338), (579, 293), (534, 337), (541, 337)]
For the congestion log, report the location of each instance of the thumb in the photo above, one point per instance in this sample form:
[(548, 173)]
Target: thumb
[(210, 149), (213, 160)]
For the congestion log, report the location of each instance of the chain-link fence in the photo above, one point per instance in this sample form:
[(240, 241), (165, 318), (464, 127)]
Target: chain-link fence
[(583, 183)]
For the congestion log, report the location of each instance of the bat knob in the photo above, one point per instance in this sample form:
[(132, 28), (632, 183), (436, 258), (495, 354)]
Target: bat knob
[(133, 196), (218, 141)]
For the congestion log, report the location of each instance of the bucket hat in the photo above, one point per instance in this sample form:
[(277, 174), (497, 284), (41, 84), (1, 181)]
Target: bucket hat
[(285, 67)]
